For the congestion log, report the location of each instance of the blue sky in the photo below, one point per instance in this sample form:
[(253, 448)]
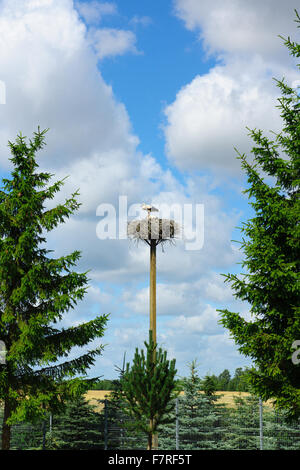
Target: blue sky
[(169, 57), (148, 100)]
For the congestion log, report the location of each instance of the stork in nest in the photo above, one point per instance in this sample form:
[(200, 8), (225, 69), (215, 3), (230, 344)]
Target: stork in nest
[(149, 208)]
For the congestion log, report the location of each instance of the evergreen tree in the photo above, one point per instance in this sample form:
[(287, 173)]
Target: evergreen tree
[(121, 432), (78, 428), (35, 291), (224, 380), (239, 382), (114, 414), (200, 418), (209, 385), (270, 283), (147, 388), (167, 434), (278, 432), (105, 384), (242, 431)]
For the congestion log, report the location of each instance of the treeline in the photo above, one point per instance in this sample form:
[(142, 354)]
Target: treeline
[(198, 422), (222, 382), (236, 383)]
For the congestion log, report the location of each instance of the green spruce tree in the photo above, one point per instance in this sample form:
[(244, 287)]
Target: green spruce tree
[(199, 417), (209, 385), (270, 281), (242, 431), (36, 290), (121, 432), (279, 433), (79, 427), (169, 431)]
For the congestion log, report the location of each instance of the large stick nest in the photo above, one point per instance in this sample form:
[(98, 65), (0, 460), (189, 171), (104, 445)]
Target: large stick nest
[(153, 228)]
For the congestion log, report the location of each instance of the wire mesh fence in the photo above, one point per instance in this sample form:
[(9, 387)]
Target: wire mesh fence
[(240, 428)]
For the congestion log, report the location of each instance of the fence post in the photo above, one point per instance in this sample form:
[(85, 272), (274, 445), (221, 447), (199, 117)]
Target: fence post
[(177, 426), (261, 437), (105, 425), (44, 432)]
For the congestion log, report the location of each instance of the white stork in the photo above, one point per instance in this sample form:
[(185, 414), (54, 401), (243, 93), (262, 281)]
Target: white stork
[(149, 208)]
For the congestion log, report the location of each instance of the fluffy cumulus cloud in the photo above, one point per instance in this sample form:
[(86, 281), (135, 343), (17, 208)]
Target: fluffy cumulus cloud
[(106, 42), (182, 300), (210, 114), (239, 27), (110, 42), (205, 322), (51, 75), (53, 79), (93, 11)]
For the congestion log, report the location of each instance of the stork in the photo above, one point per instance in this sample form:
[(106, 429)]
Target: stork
[(149, 208)]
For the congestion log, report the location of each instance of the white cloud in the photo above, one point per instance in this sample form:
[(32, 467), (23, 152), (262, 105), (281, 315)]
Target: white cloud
[(141, 20), (214, 351), (53, 80), (239, 27), (209, 116), (205, 322), (171, 299), (92, 12), (109, 42), (51, 75), (187, 301)]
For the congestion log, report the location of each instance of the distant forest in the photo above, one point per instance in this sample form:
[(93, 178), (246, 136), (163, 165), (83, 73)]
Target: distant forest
[(222, 382)]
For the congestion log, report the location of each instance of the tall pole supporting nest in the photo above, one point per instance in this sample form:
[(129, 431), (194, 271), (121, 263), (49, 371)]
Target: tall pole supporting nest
[(153, 231), (153, 313), (153, 290)]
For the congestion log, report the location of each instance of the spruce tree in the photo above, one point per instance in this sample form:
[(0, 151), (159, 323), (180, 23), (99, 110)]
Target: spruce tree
[(199, 417), (278, 432), (121, 432), (36, 289), (167, 433), (79, 427), (209, 385), (242, 431), (270, 244)]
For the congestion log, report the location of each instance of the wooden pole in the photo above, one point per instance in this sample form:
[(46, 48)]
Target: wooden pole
[(153, 313), (153, 289), (105, 425), (6, 428), (261, 437)]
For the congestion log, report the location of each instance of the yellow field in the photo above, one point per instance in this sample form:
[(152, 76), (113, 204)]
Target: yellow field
[(226, 398)]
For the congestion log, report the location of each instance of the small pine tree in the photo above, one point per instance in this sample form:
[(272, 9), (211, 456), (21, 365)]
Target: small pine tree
[(147, 388)]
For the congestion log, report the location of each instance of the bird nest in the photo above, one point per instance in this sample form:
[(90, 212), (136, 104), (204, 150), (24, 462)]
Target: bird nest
[(153, 228)]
